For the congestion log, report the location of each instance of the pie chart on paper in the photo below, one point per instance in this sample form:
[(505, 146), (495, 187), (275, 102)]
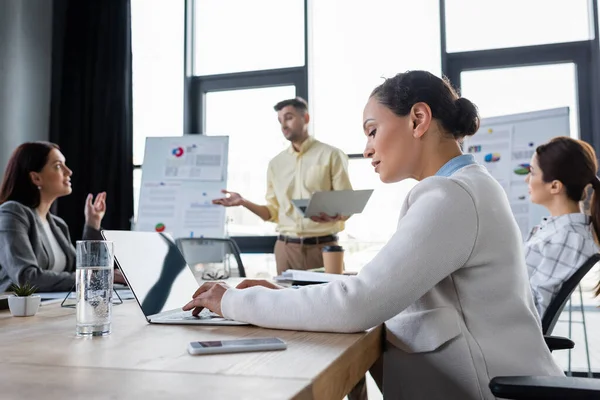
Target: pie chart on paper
[(491, 157), (522, 169), (177, 152)]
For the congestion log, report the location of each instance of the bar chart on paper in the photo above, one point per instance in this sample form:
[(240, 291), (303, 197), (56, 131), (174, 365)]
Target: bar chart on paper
[(180, 178)]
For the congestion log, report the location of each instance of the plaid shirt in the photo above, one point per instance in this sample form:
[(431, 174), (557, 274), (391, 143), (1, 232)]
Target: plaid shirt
[(554, 250)]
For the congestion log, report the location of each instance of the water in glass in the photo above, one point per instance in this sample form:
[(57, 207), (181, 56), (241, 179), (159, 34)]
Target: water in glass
[(94, 300)]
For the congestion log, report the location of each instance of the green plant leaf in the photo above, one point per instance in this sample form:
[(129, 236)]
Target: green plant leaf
[(23, 290)]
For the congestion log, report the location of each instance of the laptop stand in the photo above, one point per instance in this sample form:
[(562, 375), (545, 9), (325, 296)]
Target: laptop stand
[(62, 304)]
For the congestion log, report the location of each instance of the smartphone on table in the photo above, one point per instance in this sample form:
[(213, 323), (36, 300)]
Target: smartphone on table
[(236, 345)]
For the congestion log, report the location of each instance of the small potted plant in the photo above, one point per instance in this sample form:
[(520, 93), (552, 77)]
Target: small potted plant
[(23, 302)]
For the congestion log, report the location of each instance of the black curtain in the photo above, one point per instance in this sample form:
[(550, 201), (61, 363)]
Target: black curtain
[(91, 106)]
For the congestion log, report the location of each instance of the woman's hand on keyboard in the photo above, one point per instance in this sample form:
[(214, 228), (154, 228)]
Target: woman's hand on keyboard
[(209, 296), (246, 283)]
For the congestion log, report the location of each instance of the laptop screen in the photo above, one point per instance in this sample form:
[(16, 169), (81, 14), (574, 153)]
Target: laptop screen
[(154, 268)]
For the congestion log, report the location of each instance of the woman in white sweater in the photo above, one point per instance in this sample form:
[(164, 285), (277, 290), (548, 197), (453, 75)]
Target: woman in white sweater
[(450, 285)]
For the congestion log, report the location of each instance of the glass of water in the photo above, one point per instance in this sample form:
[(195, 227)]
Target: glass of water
[(94, 286)]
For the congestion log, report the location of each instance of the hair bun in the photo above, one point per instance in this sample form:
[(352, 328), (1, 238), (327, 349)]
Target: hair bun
[(466, 120)]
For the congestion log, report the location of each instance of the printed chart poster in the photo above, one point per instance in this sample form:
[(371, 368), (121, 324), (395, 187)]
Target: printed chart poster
[(199, 217), (196, 161), (505, 145), (491, 147), (519, 190), (158, 206), (180, 178)]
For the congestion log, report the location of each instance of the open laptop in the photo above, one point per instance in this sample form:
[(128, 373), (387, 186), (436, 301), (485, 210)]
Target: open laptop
[(159, 278)]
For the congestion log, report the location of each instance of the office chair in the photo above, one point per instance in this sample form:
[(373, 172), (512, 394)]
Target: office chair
[(255, 244), (553, 387), (211, 251), (545, 387), (558, 343), (258, 254), (557, 305)]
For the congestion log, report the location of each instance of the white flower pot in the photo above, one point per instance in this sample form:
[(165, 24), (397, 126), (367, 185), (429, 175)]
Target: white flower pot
[(24, 306)]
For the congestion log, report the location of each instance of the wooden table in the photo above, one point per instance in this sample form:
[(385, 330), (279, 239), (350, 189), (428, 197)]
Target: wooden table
[(41, 357)]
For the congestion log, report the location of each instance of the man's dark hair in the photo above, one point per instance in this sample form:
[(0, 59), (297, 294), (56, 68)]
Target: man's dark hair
[(298, 103)]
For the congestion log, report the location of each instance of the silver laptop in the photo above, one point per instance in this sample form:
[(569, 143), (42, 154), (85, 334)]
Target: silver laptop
[(159, 278), (334, 202)]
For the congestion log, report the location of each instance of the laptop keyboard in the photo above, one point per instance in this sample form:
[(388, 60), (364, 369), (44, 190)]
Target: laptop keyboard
[(187, 315)]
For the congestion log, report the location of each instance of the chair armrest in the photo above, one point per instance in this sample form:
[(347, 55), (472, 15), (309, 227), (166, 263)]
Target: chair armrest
[(544, 387), (558, 343)]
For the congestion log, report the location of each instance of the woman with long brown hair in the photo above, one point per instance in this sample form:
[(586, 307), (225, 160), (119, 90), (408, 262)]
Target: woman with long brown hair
[(35, 245), (561, 170)]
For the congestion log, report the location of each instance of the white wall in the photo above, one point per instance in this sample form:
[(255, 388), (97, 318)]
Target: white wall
[(25, 73)]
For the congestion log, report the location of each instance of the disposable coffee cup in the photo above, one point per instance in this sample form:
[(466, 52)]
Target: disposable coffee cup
[(333, 259)]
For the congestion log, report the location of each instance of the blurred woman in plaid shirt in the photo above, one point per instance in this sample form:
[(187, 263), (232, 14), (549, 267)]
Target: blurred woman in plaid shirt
[(561, 171)]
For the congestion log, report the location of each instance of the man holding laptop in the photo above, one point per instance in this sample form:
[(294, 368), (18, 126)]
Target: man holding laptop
[(307, 166)]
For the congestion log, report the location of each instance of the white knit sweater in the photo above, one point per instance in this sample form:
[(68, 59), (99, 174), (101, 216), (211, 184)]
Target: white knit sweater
[(453, 270)]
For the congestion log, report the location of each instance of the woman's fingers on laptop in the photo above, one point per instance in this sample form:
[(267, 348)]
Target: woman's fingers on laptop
[(188, 306), (209, 296), (206, 286), (195, 306), (196, 302), (246, 283), (197, 311), (203, 288)]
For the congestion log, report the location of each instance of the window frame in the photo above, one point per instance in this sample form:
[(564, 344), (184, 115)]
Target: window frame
[(196, 87), (186, 45), (584, 54), (199, 86)]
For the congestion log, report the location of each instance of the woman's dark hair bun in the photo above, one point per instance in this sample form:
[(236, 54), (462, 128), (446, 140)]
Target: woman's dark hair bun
[(466, 120), (458, 116)]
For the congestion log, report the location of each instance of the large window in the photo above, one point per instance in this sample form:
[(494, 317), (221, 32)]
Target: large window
[(241, 35), (247, 56), (157, 36), (547, 58), (505, 91), (350, 50), (353, 48), (479, 25), (248, 118)]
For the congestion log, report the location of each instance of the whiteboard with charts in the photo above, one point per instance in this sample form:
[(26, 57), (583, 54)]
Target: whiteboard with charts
[(505, 145), (180, 178)]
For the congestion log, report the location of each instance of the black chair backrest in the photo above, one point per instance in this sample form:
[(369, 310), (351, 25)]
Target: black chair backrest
[(558, 303), (235, 250), (255, 244)]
